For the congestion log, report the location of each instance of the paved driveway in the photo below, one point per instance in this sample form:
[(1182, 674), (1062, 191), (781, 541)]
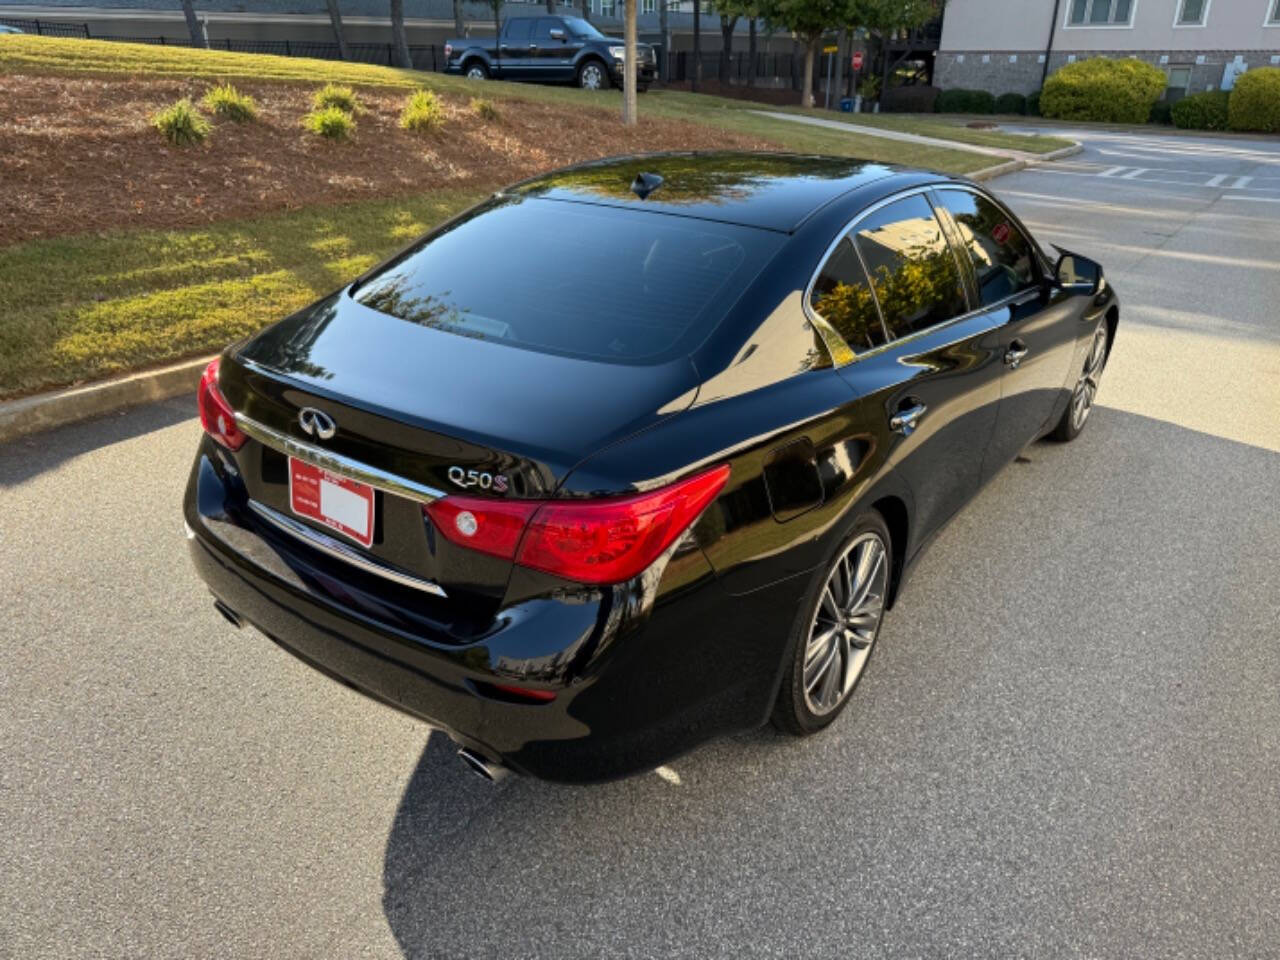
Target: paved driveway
[(1068, 743)]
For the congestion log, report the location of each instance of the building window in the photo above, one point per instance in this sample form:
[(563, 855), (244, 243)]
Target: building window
[(1191, 13), (606, 8), (649, 6), (1100, 13), (1179, 83), (1274, 17)]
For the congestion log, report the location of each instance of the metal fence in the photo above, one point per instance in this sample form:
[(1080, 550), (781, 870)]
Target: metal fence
[(770, 67), (47, 28)]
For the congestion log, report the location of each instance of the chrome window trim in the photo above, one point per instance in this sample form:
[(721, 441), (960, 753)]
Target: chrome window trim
[(336, 463), (340, 551), (816, 318)]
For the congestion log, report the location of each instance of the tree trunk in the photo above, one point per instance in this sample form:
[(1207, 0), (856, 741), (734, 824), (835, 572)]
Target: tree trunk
[(551, 6), (497, 30), (629, 65), (697, 46), (751, 52), (335, 18), (398, 37), (664, 61), (198, 39), (584, 10), (810, 54), (726, 46), (459, 21), (842, 65)]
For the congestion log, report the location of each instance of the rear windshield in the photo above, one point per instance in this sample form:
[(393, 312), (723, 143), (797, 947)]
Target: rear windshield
[(590, 281)]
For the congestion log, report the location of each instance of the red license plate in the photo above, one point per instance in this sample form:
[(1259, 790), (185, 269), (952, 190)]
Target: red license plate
[(340, 504)]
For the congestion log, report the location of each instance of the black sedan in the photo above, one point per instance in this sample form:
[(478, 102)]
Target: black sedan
[(639, 452)]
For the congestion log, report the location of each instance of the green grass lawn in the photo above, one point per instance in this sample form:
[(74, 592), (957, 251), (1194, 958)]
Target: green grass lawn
[(81, 308), (85, 307)]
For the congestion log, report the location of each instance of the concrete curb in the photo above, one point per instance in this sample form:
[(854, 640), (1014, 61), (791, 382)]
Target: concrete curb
[(1013, 166), (43, 411)]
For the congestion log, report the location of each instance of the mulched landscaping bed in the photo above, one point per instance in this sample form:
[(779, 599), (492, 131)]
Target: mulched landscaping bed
[(78, 153)]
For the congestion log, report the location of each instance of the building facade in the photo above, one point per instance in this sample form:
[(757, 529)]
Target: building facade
[(1005, 46)]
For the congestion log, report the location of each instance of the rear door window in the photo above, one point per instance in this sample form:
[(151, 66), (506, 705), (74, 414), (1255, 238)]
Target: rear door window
[(1003, 263), (912, 268), (842, 296), (574, 278), (517, 34)]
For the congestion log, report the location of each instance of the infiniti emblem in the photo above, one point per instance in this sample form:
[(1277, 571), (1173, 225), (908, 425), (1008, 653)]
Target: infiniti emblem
[(316, 423)]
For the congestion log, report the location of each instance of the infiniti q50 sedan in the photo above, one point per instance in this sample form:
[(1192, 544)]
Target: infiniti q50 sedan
[(639, 452)]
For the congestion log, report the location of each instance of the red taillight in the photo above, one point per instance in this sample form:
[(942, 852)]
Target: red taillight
[(490, 526), (216, 415), (591, 541), (448, 51)]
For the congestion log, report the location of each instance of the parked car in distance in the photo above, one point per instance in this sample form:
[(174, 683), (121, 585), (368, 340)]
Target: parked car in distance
[(549, 50), (658, 476)]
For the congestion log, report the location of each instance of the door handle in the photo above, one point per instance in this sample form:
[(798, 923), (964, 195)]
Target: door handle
[(904, 421), (1013, 356)]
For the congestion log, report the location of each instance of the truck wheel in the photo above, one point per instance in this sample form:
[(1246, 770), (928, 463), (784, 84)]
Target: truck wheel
[(476, 70), (592, 75)]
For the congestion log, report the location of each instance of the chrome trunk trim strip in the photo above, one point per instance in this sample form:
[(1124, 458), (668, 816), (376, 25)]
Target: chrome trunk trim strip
[(337, 463), (335, 548)]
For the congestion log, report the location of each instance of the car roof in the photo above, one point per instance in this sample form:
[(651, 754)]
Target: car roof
[(773, 191)]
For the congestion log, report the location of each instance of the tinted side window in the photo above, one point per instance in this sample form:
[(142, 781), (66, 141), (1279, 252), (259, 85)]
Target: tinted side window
[(912, 268), (517, 34), (1001, 255), (842, 296)]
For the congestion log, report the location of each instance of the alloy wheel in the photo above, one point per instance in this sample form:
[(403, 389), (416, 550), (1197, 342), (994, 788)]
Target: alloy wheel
[(1087, 387), (845, 623), (475, 73), (592, 77)]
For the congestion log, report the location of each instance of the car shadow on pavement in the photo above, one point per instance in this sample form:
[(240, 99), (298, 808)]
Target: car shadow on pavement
[(983, 773), (30, 456)]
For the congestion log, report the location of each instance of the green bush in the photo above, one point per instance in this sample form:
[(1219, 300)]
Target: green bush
[(1202, 111), (181, 123), (224, 100), (332, 95), (1162, 112), (1011, 103), (1115, 91), (332, 122), (1255, 102), (484, 109), (1033, 104), (422, 112), (966, 101)]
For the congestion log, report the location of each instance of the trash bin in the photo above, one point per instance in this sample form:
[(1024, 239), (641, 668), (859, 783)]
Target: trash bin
[(846, 105)]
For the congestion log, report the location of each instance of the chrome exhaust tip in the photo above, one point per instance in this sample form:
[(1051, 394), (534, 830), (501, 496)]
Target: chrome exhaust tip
[(484, 768)]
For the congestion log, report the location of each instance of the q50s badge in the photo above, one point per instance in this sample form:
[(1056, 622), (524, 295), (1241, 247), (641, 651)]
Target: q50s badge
[(478, 478)]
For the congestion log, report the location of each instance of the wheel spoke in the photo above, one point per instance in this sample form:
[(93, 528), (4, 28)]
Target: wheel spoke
[(832, 675), (829, 605)]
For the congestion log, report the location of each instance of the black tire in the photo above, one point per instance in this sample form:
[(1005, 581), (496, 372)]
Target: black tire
[(792, 712), (602, 71), (472, 66), (1073, 422)]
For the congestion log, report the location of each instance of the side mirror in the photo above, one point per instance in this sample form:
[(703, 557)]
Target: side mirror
[(1077, 274), (557, 34)]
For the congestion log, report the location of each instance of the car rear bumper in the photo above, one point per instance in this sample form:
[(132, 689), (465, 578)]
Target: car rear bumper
[(634, 686)]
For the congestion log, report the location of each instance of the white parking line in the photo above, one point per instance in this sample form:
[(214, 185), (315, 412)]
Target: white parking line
[(1242, 182), (1112, 172), (1241, 196), (1217, 181), (1135, 173)]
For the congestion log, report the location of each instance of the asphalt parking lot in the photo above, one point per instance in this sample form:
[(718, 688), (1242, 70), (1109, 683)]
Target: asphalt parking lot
[(1067, 744)]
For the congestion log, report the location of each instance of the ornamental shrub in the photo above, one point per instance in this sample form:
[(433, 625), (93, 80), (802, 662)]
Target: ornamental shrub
[(484, 109), (332, 122), (1162, 112), (1201, 111), (226, 101), (422, 113), (181, 123), (1033, 104), (1255, 101), (1115, 91), (332, 95), (966, 101), (1011, 103)]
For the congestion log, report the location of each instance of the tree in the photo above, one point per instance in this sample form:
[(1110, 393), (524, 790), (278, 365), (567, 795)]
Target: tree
[(664, 62), (629, 64), (497, 25), (584, 8), (198, 38), (697, 46), (551, 6), (730, 12), (809, 20), (884, 18), (751, 51), (399, 39), (459, 21), (335, 18)]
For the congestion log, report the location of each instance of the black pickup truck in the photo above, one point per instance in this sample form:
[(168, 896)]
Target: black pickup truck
[(549, 50)]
